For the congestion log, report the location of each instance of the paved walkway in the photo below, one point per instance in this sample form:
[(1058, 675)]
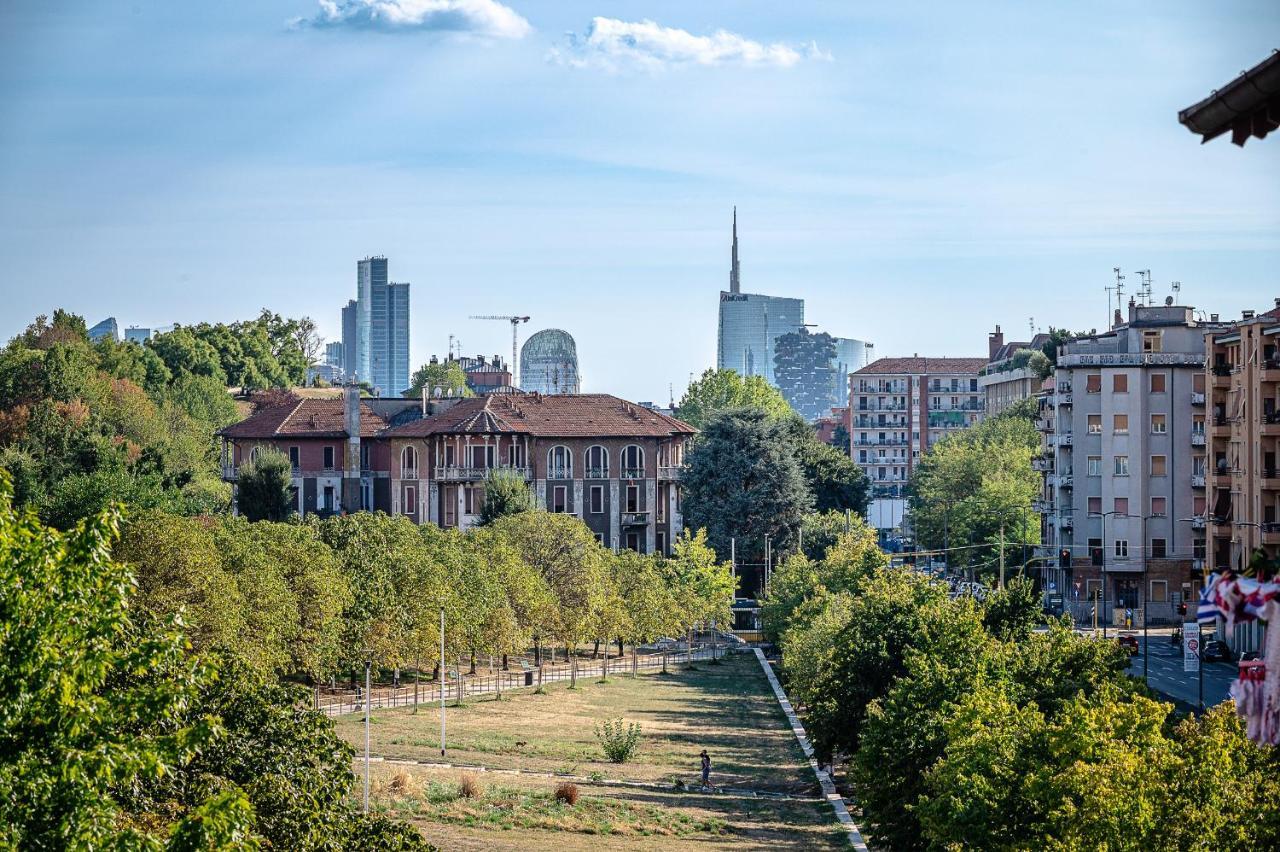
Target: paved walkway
[(824, 780)]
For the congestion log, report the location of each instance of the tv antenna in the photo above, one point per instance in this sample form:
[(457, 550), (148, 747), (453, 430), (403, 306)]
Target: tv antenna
[(1144, 289), (1177, 291), (1119, 291)]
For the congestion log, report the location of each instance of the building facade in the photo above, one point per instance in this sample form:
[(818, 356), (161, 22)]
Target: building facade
[(106, 328), (1123, 463), (609, 462), (378, 322), (1243, 380), (549, 363), (1006, 379), (899, 407)]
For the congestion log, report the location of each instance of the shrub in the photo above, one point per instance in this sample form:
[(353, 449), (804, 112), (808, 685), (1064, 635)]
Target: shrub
[(469, 787), (567, 792), (618, 739)]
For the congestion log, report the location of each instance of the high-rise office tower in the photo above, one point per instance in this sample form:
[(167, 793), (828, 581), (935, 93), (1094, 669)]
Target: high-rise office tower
[(549, 363), (350, 346), (751, 323), (378, 321)]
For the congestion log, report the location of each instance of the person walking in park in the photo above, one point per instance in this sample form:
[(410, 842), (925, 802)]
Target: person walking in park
[(706, 768)]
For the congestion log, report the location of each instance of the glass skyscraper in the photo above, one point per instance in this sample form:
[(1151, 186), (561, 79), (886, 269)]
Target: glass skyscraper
[(750, 323), (378, 320)]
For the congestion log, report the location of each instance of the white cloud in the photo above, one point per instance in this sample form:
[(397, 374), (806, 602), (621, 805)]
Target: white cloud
[(476, 17), (611, 44)]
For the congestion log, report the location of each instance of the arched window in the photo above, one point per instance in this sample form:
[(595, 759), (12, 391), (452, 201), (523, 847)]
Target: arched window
[(633, 462), (559, 463), (253, 453), (409, 463), (597, 463)]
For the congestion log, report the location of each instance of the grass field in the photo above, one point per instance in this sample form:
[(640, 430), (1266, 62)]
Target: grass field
[(727, 709)]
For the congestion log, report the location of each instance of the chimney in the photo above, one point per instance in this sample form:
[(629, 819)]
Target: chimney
[(1213, 317), (1247, 315), (995, 340), (351, 497), (1278, 301)]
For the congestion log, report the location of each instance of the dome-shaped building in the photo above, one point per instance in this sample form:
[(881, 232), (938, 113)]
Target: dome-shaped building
[(549, 363)]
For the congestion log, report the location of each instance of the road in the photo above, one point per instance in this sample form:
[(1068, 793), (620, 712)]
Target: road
[(1165, 674)]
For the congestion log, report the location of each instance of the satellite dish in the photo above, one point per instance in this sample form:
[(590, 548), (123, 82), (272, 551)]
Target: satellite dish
[(437, 392), (1168, 301)]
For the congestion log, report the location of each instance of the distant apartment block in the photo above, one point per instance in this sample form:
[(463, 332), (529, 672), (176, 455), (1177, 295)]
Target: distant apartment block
[(1124, 463), (137, 334), (1006, 379), (350, 341), (899, 407), (1244, 439)]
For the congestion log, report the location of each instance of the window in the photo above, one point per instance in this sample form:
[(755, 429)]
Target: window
[(1095, 553), (253, 454), (364, 456), (597, 463), (1198, 505), (1158, 466), (1151, 341), (1158, 424), (633, 542), (1095, 424), (597, 499), (632, 499), (1159, 591), (1120, 383), (600, 539), (1197, 424), (294, 458), (329, 503), (473, 499), (660, 510), (1121, 505), (1197, 382), (1122, 548), (1093, 383), (1158, 506), (559, 499), (1095, 505), (1197, 465), (515, 455), (1157, 382), (661, 539), (1095, 465), (410, 500), (632, 462), (409, 463), (449, 456), (1197, 548), (1122, 466), (559, 463), (328, 458), (1120, 424)]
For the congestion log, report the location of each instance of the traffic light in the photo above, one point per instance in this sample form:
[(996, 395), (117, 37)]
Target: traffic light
[(1064, 557), (1182, 609)]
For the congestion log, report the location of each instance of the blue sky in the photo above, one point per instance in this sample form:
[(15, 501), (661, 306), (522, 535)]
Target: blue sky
[(916, 171)]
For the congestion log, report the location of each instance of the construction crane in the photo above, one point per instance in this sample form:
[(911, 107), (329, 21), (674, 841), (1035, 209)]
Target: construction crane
[(515, 323)]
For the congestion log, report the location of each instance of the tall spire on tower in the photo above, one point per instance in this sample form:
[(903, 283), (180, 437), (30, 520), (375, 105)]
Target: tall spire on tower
[(735, 282)]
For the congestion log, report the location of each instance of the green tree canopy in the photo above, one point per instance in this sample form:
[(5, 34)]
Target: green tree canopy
[(263, 486), (446, 375), (718, 391), (505, 493)]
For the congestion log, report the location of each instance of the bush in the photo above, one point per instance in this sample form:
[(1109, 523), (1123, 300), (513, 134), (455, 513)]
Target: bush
[(567, 793), (469, 787), (618, 739)]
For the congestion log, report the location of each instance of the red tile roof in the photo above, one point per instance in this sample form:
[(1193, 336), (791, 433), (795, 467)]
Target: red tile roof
[(921, 366), (580, 415), (559, 416), (305, 418)]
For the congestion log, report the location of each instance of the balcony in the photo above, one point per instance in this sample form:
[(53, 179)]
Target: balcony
[(559, 473), (632, 473), (1062, 398), (670, 472), (1064, 387), (1270, 478), (1197, 480), (596, 473), (1043, 507), (229, 473), (454, 473), (1064, 480), (1197, 522), (1197, 398), (1066, 522), (635, 519), (1221, 370), (1063, 441), (1043, 424), (1197, 439), (1042, 464)]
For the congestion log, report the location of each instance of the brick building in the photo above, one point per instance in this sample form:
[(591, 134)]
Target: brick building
[(614, 464)]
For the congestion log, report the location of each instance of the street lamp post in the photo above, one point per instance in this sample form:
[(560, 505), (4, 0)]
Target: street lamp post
[(368, 670)]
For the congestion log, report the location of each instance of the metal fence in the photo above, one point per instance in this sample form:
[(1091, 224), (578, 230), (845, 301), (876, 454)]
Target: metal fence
[(339, 702)]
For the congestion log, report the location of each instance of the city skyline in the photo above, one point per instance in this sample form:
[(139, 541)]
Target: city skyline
[(893, 171)]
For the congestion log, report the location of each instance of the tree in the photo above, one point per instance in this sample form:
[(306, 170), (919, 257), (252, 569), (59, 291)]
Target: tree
[(1013, 612), (742, 481), (88, 704), (446, 375), (263, 486), (840, 439), (835, 482), (505, 493), (718, 391), (702, 585)]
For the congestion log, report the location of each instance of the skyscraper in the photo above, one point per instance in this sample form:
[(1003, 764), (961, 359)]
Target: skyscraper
[(378, 321), (750, 323), (851, 355), (549, 363), (106, 328)]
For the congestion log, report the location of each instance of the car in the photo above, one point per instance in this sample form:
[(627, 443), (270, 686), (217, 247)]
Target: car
[(1130, 642), (1215, 649)]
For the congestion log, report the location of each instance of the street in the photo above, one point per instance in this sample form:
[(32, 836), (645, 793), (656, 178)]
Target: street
[(1165, 674)]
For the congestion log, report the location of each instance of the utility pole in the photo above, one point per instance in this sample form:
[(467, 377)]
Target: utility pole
[(442, 680), (368, 668), (733, 563)]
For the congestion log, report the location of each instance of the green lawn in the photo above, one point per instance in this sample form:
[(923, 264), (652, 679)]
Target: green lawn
[(727, 709)]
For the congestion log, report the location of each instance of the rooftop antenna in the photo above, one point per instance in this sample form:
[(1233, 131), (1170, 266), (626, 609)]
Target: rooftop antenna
[(1144, 289), (1177, 291), (1031, 321), (1119, 291)]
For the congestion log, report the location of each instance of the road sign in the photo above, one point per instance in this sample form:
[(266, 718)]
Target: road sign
[(1191, 646)]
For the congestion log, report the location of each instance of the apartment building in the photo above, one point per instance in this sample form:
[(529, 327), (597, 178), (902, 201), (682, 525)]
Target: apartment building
[(1006, 379), (1243, 378), (612, 463), (1123, 463), (899, 407)]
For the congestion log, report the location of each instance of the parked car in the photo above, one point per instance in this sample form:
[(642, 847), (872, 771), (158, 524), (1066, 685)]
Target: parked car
[(1130, 641), (1215, 649)]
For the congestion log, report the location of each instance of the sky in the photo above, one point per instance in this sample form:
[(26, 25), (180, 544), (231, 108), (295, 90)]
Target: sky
[(917, 172)]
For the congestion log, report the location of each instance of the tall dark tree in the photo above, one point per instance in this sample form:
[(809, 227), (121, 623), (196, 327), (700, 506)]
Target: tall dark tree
[(264, 487), (835, 482), (743, 481)]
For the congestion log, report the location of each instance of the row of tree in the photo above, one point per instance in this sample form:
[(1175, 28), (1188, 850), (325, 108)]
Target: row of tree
[(113, 734), (964, 727), (311, 599)]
